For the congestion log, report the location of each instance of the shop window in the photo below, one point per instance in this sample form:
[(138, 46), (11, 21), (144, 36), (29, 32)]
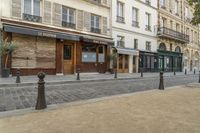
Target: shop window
[(101, 57), (89, 53), (67, 52)]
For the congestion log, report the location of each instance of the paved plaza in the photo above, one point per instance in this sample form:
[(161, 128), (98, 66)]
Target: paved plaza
[(12, 98), (174, 110)]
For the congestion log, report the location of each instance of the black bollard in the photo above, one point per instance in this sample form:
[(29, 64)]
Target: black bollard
[(41, 102), (141, 71), (78, 74), (115, 76), (18, 76), (185, 71), (174, 72), (161, 84), (199, 76), (194, 71)]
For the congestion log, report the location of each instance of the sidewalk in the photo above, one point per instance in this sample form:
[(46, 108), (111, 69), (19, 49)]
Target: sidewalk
[(174, 110), (84, 77)]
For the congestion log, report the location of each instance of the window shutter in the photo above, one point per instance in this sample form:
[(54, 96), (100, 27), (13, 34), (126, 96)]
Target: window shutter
[(57, 14), (87, 21), (16, 8), (79, 20), (47, 12), (104, 25)]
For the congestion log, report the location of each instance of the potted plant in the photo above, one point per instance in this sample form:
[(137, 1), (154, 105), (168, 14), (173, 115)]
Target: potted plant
[(6, 49)]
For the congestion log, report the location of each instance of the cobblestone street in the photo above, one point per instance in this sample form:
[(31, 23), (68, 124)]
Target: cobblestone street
[(25, 97)]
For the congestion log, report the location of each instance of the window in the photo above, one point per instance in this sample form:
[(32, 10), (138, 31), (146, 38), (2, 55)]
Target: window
[(171, 24), (148, 21), (186, 12), (178, 49), (148, 2), (88, 53), (120, 41), (95, 24), (162, 3), (176, 7), (32, 7), (148, 46), (68, 17), (135, 22), (135, 43), (67, 52), (120, 12), (164, 22), (162, 47)]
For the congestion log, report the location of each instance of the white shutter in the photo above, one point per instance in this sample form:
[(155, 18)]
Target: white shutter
[(104, 25), (87, 21), (16, 8), (57, 14), (79, 19), (47, 12)]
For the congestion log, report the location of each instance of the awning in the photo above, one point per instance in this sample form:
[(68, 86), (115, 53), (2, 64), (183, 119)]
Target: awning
[(38, 32), (127, 51)]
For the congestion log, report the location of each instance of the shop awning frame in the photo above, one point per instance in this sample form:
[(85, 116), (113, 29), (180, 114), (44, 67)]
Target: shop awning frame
[(127, 51)]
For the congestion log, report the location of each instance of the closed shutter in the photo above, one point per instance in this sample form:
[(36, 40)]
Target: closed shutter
[(57, 14), (79, 20), (47, 12), (104, 25), (87, 21), (16, 8)]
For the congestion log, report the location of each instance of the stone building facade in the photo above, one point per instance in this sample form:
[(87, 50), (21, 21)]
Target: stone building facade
[(56, 36), (178, 40)]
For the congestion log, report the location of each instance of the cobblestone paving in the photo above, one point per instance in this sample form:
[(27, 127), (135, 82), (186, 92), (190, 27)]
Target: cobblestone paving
[(25, 97)]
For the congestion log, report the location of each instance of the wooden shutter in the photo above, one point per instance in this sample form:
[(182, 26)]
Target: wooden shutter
[(79, 20), (87, 21), (104, 25), (47, 12), (57, 18), (16, 8)]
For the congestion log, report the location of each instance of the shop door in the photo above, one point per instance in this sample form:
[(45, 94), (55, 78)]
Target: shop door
[(102, 65), (123, 63), (68, 56), (134, 64)]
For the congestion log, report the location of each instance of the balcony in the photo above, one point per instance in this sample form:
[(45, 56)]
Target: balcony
[(120, 44), (95, 30), (120, 19), (33, 18), (68, 25), (172, 34), (148, 27), (135, 23)]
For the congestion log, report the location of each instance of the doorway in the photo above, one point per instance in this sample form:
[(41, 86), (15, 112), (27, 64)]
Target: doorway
[(68, 59)]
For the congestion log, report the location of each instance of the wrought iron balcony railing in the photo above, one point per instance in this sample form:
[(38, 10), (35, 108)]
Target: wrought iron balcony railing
[(135, 23), (95, 30), (32, 18), (120, 44), (68, 25), (172, 34), (120, 19)]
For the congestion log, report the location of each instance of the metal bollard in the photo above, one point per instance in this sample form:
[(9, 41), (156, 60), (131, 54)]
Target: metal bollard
[(18, 76), (185, 71), (115, 76), (78, 74), (141, 71), (194, 71), (174, 72), (199, 76), (161, 84), (41, 102)]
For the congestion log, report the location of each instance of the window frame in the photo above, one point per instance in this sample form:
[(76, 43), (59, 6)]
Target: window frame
[(32, 10)]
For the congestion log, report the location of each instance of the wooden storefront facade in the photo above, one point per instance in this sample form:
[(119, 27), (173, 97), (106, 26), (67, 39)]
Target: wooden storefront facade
[(56, 52)]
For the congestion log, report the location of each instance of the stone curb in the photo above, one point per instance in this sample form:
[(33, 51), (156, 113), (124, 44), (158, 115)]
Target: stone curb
[(81, 81)]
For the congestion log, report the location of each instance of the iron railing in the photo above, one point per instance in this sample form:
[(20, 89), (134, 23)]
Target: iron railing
[(135, 23), (32, 18), (95, 30), (68, 25), (120, 19)]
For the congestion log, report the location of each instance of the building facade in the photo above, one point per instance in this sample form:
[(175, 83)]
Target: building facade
[(56, 36), (133, 31), (178, 40)]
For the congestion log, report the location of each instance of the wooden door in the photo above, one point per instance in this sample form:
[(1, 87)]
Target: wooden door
[(68, 58), (123, 63)]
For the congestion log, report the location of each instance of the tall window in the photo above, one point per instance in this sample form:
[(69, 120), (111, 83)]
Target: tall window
[(164, 22), (186, 12), (135, 17), (162, 3), (148, 45), (95, 24), (120, 12), (32, 7), (176, 7), (120, 41), (135, 43), (178, 27), (148, 21), (68, 17)]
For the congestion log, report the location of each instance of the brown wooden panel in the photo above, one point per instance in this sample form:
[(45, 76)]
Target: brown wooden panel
[(68, 64), (33, 71), (59, 62)]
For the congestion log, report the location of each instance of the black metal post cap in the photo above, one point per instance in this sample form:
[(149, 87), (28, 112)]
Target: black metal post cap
[(41, 75)]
